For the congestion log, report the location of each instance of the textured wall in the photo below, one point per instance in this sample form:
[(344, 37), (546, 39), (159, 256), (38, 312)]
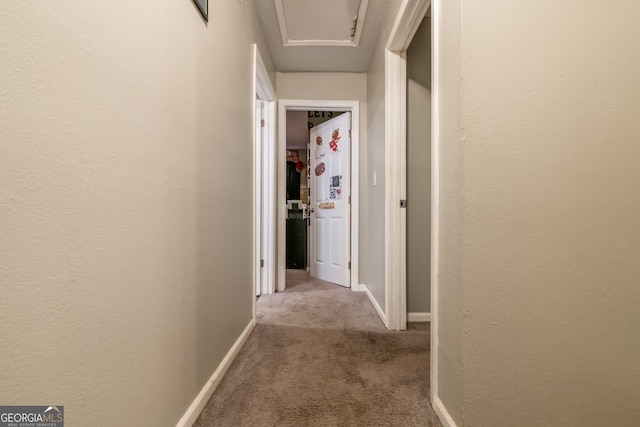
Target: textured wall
[(446, 22), (419, 170), (550, 239), (551, 206), (125, 262)]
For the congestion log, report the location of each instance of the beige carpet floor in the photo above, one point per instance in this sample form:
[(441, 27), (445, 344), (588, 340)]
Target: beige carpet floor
[(320, 356)]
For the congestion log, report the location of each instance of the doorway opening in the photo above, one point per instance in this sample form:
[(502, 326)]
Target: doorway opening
[(296, 218), (409, 18), (443, 53), (300, 182), (419, 94)]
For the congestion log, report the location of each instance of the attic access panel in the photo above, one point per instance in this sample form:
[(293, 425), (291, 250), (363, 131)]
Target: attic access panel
[(321, 23)]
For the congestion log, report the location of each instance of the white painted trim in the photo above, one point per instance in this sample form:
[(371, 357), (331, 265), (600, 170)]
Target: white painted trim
[(435, 195), (443, 414), (404, 28), (270, 190), (406, 24), (375, 304), (255, 215), (304, 105), (286, 41), (264, 87), (362, 288), (409, 18), (263, 178), (418, 317), (258, 210), (395, 189), (203, 397), (281, 199)]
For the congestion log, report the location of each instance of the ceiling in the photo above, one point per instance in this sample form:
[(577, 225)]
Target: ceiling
[(315, 35)]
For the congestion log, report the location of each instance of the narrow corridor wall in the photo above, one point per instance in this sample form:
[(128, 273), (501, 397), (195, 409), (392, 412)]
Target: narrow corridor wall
[(551, 238), (539, 207), (446, 24), (126, 256), (375, 193)]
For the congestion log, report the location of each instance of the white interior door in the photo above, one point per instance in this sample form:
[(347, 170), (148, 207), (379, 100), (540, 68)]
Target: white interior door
[(259, 194), (329, 202), (265, 198)]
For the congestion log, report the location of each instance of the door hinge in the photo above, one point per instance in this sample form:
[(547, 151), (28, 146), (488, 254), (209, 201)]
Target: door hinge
[(261, 263), (403, 203), (349, 133), (349, 199), (349, 265), (261, 123)]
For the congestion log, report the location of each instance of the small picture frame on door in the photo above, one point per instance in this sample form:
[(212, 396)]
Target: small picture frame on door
[(203, 7)]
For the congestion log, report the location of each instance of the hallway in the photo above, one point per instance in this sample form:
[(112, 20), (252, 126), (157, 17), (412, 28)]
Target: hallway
[(319, 356)]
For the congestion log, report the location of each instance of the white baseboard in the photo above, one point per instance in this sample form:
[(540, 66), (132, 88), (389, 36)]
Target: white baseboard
[(443, 414), (418, 317), (201, 400), (375, 304), (362, 287)]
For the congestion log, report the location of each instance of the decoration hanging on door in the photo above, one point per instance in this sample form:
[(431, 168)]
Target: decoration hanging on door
[(320, 169), (335, 137), (327, 205), (335, 187), (318, 140)]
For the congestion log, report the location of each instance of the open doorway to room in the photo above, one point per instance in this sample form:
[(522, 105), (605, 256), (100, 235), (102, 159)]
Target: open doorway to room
[(297, 191), (317, 192), (397, 100), (407, 23), (419, 174)]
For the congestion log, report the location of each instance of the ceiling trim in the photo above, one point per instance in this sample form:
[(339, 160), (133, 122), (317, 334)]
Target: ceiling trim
[(286, 41)]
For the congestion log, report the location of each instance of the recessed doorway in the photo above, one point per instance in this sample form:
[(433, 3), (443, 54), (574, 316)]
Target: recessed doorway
[(339, 188)]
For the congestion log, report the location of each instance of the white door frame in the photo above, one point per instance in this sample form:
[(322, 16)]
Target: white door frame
[(315, 105), (258, 154), (404, 28), (406, 24), (264, 179)]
